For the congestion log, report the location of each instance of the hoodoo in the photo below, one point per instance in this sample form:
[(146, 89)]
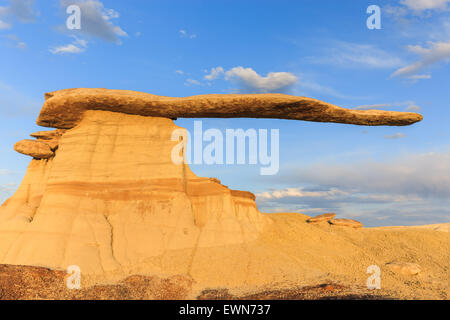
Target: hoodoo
[(103, 193)]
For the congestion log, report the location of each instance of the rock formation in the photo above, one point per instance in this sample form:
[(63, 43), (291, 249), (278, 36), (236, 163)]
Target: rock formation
[(405, 268), (64, 109), (35, 149), (346, 223), (103, 193), (321, 218), (112, 196)]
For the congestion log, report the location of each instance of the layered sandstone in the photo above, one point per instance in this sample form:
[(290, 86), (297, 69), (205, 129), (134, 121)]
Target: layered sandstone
[(111, 197)]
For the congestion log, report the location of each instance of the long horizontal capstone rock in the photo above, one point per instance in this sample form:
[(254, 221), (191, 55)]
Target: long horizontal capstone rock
[(64, 109)]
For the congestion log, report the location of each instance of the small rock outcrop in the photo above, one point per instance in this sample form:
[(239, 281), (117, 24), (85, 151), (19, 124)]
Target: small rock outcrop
[(321, 218), (34, 148), (48, 135), (346, 223), (405, 268)]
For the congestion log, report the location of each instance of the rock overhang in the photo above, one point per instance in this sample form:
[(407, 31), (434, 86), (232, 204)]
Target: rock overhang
[(64, 109)]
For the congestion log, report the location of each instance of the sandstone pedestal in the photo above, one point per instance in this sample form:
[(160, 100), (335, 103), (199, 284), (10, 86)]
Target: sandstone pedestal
[(111, 197)]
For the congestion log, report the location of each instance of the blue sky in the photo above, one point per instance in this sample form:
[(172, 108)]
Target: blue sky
[(321, 49)]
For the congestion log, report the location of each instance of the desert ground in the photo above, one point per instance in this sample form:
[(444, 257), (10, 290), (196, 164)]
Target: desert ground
[(292, 259)]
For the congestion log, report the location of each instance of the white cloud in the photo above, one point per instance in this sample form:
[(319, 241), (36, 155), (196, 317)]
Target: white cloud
[(395, 136), (416, 77), (4, 25), (300, 193), (190, 82), (215, 73), (96, 20), (180, 72), (436, 52), (414, 189), (70, 48), (20, 9), (4, 172), (423, 175), (249, 81), (421, 5), (77, 46), (413, 107), (16, 42), (311, 86), (354, 55), (185, 34)]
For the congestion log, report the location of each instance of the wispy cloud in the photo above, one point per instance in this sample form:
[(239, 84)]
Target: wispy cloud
[(310, 87), (77, 46), (421, 5), (423, 175), (412, 189), (185, 34), (300, 193), (4, 25), (192, 82), (395, 136), (15, 41), (21, 10), (436, 52), (355, 55), (407, 105), (416, 77), (4, 172)]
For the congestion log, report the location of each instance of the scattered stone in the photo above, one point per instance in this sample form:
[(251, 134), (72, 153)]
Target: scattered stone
[(322, 217), (346, 223), (405, 268), (35, 149)]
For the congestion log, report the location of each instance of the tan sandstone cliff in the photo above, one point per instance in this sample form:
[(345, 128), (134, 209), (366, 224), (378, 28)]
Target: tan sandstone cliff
[(111, 196)]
